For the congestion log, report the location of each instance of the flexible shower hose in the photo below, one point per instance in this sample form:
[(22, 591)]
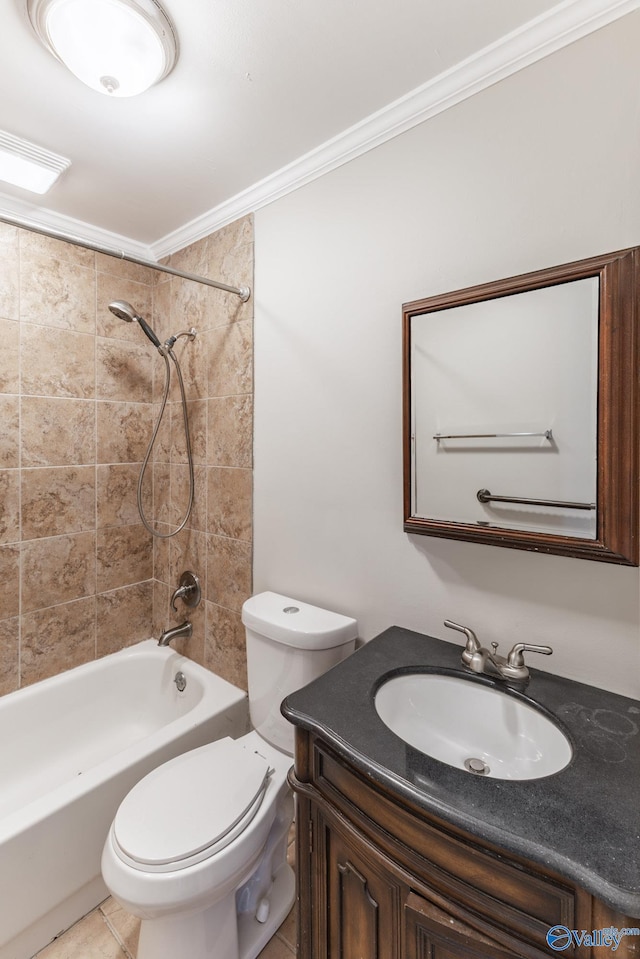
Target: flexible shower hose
[(185, 416)]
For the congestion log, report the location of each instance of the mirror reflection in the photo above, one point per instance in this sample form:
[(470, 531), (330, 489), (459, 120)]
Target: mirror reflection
[(520, 411), (504, 400)]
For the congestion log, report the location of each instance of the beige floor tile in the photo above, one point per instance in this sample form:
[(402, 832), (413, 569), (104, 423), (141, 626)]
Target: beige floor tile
[(90, 938), (276, 949), (287, 931), (109, 932), (125, 927)]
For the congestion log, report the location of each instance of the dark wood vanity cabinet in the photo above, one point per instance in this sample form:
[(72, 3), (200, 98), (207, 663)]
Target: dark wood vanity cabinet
[(381, 879), (430, 933), (373, 913)]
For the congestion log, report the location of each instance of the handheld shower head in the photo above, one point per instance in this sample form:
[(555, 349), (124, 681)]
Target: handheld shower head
[(124, 311)]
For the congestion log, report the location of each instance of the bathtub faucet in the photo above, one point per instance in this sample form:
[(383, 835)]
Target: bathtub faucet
[(176, 632)]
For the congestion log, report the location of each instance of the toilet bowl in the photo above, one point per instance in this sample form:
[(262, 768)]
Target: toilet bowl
[(198, 848)]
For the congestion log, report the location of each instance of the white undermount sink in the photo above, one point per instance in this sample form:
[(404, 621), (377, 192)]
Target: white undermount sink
[(475, 727)]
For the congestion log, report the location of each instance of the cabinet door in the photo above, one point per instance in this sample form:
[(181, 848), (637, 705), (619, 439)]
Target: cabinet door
[(362, 899), (430, 933)]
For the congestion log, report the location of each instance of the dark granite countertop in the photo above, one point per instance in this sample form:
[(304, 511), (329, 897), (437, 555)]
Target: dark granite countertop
[(583, 822)]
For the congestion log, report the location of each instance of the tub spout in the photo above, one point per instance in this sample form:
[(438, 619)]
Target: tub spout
[(176, 632)]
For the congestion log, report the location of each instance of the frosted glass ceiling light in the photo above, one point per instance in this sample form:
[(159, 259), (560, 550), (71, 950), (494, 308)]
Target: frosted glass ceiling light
[(27, 165), (118, 47)]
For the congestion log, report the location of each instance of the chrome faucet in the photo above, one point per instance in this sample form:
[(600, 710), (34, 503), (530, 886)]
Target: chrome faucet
[(176, 632), (490, 662), (190, 593)]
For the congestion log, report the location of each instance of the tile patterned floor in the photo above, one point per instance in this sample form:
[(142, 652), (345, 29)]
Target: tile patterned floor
[(111, 933)]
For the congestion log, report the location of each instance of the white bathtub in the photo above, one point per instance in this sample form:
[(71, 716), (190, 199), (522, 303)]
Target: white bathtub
[(71, 747)]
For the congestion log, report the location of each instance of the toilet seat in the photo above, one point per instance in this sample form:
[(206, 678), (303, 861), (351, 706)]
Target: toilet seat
[(190, 808)]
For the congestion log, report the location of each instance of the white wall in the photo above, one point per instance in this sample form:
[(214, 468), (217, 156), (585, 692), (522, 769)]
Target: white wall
[(539, 170)]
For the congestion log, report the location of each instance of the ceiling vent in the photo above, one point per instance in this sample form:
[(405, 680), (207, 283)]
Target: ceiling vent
[(29, 166)]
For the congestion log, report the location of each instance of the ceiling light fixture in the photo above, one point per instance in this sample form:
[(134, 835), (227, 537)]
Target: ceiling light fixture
[(117, 47), (27, 165)]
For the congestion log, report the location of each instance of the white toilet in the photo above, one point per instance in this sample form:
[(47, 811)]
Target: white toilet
[(198, 848)]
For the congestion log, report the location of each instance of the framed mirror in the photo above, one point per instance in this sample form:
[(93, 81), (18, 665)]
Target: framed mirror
[(520, 411)]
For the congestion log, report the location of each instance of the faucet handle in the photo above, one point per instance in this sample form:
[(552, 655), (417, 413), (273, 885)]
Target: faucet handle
[(515, 657), (472, 645), (515, 667), (188, 591)]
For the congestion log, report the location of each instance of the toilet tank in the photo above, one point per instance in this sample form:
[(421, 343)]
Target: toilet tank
[(289, 643)]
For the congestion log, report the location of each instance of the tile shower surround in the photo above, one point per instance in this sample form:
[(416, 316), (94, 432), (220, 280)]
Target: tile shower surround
[(79, 393)]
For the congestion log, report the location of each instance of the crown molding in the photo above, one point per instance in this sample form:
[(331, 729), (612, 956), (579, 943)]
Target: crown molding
[(560, 26), (552, 31), (32, 217)]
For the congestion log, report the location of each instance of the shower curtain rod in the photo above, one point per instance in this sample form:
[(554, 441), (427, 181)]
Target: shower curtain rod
[(243, 291)]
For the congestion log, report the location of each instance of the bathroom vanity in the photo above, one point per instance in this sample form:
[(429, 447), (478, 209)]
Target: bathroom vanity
[(401, 856)]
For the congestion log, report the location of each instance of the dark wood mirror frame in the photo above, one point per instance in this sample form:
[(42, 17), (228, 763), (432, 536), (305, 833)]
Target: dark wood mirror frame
[(618, 420)]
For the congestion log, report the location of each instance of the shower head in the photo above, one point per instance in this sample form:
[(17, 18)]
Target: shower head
[(124, 311)]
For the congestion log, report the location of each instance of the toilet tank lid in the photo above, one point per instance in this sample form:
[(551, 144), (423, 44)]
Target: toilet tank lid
[(295, 623)]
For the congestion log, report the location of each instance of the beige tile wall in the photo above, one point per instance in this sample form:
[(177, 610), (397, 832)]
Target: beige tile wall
[(218, 371), (79, 389)]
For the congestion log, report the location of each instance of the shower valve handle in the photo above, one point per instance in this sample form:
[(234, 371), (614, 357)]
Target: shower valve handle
[(188, 591)]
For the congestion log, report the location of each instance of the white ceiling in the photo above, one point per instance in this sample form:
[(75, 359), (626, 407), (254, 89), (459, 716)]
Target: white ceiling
[(265, 94)]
